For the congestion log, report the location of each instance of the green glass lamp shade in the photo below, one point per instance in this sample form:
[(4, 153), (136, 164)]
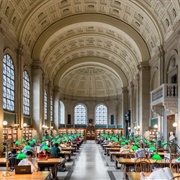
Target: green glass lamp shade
[(126, 141), (21, 156), (178, 158), (123, 143), (43, 138), (156, 157), (163, 143), (149, 143), (17, 142), (137, 143), (134, 148), (152, 148), (45, 147), (23, 140), (123, 137), (27, 147), (53, 140)]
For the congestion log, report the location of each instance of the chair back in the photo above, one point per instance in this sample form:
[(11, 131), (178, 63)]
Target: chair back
[(142, 159), (13, 162), (176, 178), (142, 166), (175, 167)]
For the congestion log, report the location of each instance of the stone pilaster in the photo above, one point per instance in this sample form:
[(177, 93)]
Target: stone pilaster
[(178, 115), (132, 108), (144, 90), (37, 97), (162, 62), (1, 85), (125, 107), (19, 105), (56, 108)]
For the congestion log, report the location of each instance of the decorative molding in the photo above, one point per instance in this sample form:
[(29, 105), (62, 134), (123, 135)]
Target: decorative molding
[(158, 109), (171, 106)]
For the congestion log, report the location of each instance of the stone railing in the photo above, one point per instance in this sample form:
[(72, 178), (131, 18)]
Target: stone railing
[(163, 93)]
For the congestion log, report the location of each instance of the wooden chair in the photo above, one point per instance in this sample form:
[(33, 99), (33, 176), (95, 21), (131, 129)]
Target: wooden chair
[(175, 167), (176, 178), (142, 159), (143, 166)]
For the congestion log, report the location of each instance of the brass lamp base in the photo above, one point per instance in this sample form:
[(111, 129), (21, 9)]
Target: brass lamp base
[(6, 174)]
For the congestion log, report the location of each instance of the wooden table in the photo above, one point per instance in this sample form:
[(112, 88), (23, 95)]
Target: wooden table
[(130, 163), (66, 153), (53, 163), (118, 153), (136, 175), (41, 175)]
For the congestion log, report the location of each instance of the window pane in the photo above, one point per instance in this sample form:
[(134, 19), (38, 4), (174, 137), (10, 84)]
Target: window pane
[(8, 83), (101, 114), (62, 112), (26, 93), (80, 114), (45, 105)]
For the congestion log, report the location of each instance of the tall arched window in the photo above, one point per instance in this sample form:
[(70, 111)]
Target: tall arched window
[(26, 93), (62, 112), (8, 83), (45, 105), (51, 109), (101, 114), (80, 114)]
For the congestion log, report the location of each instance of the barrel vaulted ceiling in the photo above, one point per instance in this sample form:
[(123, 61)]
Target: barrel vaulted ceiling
[(91, 48)]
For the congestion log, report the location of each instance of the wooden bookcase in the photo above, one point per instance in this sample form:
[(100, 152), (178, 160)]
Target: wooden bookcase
[(10, 134), (27, 133)]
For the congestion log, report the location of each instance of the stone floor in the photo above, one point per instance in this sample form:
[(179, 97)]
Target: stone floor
[(90, 163)]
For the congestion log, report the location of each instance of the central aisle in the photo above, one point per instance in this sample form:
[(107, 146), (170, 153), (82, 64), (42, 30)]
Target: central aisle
[(90, 165)]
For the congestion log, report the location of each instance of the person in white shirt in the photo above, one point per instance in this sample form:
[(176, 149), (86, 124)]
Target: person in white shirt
[(30, 161), (158, 173)]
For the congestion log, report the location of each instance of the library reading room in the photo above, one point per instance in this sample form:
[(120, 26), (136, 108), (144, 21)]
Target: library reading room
[(89, 89)]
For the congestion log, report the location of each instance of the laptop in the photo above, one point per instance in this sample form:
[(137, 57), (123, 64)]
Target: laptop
[(23, 169)]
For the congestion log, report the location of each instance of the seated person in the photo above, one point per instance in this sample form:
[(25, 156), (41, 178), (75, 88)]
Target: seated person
[(32, 149), (44, 152), (142, 152), (13, 153), (125, 148), (55, 151), (30, 161), (158, 173)]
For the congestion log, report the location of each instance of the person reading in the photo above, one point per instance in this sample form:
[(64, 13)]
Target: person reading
[(30, 161), (158, 173)]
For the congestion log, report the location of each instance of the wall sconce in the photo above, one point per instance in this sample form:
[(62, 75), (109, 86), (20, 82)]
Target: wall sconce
[(5, 123), (25, 125), (174, 124), (156, 126)]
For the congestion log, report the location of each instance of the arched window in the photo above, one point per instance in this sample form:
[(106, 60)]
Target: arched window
[(80, 114), (26, 93), (45, 105), (51, 109), (8, 83), (101, 114), (61, 112)]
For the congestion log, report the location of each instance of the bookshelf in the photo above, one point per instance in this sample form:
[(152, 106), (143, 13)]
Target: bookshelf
[(27, 133), (10, 133)]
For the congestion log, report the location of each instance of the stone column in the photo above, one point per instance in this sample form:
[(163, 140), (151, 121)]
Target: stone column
[(1, 85), (49, 94), (56, 108), (178, 114), (20, 65), (144, 106), (131, 94), (162, 62), (37, 97), (125, 107), (137, 100)]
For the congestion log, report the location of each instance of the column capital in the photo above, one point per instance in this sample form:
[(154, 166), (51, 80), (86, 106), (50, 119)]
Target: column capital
[(37, 65), (131, 85), (20, 50), (161, 50), (124, 90), (143, 66), (56, 89)]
